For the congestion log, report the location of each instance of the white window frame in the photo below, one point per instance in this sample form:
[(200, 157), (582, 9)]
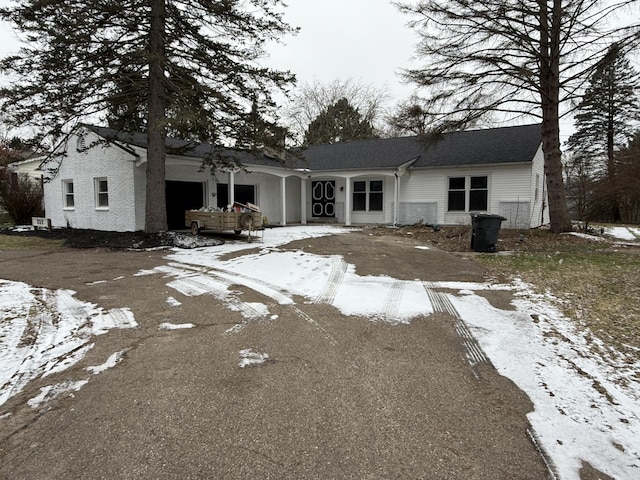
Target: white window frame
[(68, 195), (101, 194)]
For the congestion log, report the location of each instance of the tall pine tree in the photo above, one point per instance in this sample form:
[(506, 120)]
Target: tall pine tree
[(187, 66), (605, 120), (340, 122)]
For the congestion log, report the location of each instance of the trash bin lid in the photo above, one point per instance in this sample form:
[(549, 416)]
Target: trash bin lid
[(487, 215)]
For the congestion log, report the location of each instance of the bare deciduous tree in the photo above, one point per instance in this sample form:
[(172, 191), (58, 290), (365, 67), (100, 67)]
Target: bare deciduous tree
[(309, 100), (515, 58)]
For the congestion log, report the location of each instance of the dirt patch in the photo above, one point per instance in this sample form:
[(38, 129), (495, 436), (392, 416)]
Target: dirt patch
[(403, 257), (84, 238), (458, 238)]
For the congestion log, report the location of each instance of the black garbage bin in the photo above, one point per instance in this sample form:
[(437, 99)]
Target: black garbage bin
[(484, 231)]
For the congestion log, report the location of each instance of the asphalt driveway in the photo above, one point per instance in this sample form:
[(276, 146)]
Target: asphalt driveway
[(331, 395)]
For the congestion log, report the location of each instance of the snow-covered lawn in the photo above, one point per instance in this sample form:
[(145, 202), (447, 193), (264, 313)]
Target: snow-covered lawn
[(587, 405), (631, 234)]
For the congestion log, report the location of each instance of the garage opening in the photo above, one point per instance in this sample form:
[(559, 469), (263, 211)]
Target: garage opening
[(182, 196), (241, 193)]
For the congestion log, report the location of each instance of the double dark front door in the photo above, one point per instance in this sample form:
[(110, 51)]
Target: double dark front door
[(323, 198)]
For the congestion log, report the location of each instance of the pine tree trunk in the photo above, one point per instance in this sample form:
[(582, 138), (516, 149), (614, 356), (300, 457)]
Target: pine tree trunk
[(156, 208), (611, 165), (550, 23)]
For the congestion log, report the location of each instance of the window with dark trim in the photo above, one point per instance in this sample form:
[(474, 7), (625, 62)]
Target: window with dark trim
[(368, 196), (457, 194), (475, 189), (478, 193)]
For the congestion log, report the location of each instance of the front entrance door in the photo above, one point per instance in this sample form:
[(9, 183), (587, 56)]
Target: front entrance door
[(323, 198)]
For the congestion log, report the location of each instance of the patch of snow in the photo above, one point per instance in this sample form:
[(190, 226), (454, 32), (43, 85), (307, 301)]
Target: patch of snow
[(142, 273), (586, 236), (582, 411), (172, 302), (175, 326), (623, 233), (111, 362), (45, 331), (249, 358), (52, 391), (421, 247), (23, 228)]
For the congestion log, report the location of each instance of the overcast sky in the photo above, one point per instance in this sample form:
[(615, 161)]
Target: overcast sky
[(365, 40)]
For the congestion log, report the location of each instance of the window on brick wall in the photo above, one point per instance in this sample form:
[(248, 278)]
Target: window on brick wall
[(67, 192), (102, 192)]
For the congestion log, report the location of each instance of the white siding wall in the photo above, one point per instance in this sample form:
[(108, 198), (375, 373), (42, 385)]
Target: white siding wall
[(538, 182), (28, 167), (186, 171), (109, 162), (506, 183), (375, 217)]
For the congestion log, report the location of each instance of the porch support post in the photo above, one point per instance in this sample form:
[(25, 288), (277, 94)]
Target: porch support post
[(396, 201), (283, 202), (347, 201), (303, 200), (232, 187)]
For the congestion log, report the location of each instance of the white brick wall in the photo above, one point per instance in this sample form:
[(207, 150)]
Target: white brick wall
[(82, 167)]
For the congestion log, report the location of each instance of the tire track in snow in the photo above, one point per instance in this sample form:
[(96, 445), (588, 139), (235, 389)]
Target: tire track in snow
[(265, 288), (441, 303), (216, 281), (33, 327), (229, 277), (338, 271), (392, 302), (200, 284)]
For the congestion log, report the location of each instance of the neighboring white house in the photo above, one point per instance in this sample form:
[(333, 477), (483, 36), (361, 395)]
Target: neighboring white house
[(96, 179), (30, 167)]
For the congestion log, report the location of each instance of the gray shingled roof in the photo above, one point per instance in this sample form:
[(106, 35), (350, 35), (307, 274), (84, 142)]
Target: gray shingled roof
[(185, 148), (482, 147), (475, 147)]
